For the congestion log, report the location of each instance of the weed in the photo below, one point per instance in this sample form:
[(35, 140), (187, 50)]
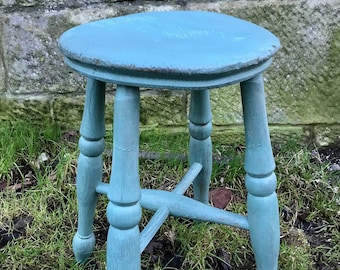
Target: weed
[(39, 219)]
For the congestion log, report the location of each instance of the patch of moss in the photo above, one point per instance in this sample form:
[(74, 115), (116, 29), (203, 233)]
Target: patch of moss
[(34, 111)]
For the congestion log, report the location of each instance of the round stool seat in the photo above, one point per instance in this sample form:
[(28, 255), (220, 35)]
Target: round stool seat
[(185, 50), (176, 50)]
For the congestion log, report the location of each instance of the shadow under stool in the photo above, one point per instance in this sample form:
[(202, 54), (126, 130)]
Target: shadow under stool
[(179, 50)]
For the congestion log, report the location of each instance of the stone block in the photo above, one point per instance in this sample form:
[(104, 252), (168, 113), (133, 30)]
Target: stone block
[(30, 43), (68, 111), (302, 85), (34, 64), (7, 3), (34, 111), (52, 4), (226, 105), (234, 135), (164, 109), (2, 61), (2, 77)]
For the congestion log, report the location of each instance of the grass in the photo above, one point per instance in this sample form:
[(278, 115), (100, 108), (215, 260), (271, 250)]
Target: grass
[(38, 206)]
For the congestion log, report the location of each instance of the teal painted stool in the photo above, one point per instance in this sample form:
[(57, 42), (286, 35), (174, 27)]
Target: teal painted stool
[(179, 50)]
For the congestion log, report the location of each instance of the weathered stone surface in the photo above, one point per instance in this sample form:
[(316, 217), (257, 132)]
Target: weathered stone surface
[(234, 135), (73, 4), (68, 111), (302, 85), (7, 2), (34, 111), (54, 4), (226, 105), (35, 64), (35, 3), (2, 77), (33, 59), (165, 109), (2, 61)]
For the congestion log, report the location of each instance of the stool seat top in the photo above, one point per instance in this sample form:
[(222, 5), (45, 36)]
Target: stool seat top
[(173, 49)]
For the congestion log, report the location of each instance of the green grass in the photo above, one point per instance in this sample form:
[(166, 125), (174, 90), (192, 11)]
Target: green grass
[(308, 199)]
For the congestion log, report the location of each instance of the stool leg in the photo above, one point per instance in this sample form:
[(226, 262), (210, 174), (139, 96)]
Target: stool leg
[(124, 211), (89, 171), (259, 165), (200, 149)]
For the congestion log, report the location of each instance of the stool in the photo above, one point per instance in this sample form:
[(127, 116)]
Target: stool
[(179, 50)]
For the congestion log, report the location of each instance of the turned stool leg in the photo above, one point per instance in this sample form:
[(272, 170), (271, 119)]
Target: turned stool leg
[(259, 165), (89, 171), (124, 211), (200, 149)]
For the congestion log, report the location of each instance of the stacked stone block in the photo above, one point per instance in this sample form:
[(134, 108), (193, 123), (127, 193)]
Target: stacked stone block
[(302, 84)]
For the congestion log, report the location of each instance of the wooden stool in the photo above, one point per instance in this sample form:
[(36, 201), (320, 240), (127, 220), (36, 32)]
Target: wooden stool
[(179, 50)]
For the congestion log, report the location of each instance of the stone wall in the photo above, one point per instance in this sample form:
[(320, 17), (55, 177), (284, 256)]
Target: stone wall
[(302, 85)]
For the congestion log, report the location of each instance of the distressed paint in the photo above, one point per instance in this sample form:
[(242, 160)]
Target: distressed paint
[(200, 148), (124, 211), (220, 55), (207, 50), (90, 165), (262, 205)]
